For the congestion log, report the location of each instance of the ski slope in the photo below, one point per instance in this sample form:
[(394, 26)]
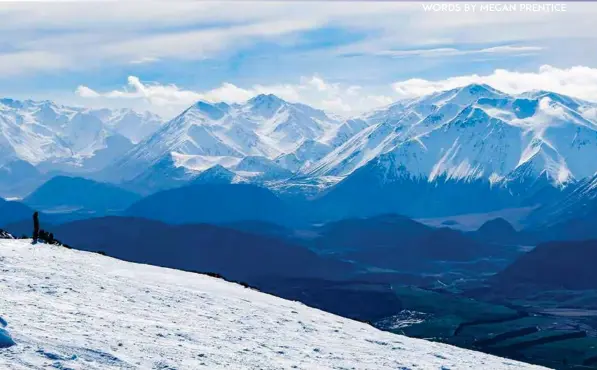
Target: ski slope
[(68, 309)]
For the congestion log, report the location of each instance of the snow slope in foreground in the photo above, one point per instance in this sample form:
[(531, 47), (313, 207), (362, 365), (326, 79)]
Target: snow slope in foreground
[(75, 310)]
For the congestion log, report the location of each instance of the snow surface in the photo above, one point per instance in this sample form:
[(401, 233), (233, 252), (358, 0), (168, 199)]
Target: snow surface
[(68, 309)]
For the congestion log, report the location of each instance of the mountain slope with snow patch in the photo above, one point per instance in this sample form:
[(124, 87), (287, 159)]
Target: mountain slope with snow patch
[(71, 309)]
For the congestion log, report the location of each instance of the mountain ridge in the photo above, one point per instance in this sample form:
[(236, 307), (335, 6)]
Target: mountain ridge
[(219, 133), (531, 146), (47, 132)]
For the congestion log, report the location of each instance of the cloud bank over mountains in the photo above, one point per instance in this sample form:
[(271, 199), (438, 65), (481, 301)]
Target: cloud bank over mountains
[(345, 58), (333, 97), (579, 82), (346, 99)]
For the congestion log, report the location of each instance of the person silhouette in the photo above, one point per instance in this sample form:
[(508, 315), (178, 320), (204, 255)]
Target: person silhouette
[(35, 227)]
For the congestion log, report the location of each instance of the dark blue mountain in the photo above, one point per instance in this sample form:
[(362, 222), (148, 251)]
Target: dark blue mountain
[(262, 228), (401, 244), (75, 194), (159, 176), (197, 247), (369, 192), (13, 211), (575, 228), (18, 178), (216, 204), (423, 252), (571, 217), (214, 175), (497, 230), (385, 186), (552, 266), (367, 233)]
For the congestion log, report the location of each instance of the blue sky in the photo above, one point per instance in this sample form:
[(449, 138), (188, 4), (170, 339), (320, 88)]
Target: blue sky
[(343, 57)]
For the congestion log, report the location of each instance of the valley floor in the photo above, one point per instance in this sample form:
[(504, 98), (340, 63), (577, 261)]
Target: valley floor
[(68, 309)]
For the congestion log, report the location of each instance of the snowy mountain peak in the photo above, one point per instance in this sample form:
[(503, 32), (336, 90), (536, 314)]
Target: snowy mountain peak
[(211, 111), (265, 105), (568, 101), (12, 103), (261, 167), (480, 89), (475, 132), (58, 137), (265, 100), (470, 116), (464, 95), (264, 127)]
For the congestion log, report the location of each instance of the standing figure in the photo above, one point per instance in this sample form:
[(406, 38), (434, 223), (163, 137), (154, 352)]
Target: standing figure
[(35, 227)]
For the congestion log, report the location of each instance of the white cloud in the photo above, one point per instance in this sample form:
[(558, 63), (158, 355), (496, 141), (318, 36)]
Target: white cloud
[(154, 94), (345, 99), (450, 52), (315, 91), (27, 61), (98, 33), (163, 14), (579, 81), (92, 34), (197, 44), (144, 60), (442, 32), (506, 49), (85, 92), (105, 48)]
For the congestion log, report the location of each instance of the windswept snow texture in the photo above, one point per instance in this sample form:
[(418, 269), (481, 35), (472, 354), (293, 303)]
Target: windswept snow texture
[(78, 310)]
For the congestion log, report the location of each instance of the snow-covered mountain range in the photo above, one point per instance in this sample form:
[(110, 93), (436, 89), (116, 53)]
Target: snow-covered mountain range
[(57, 137), (468, 134), (113, 314), (475, 132), (266, 137), (465, 134), (471, 149)]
